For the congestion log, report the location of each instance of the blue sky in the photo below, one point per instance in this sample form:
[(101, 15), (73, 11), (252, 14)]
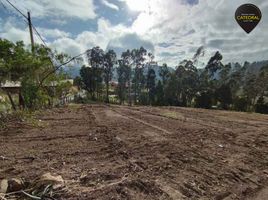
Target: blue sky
[(171, 29)]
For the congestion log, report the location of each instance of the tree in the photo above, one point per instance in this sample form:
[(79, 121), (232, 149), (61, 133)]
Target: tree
[(78, 82), (204, 100), (187, 76), (262, 81), (164, 73), (138, 58), (18, 64), (240, 104), (224, 73), (109, 62), (171, 90), (87, 78), (126, 60), (124, 73), (261, 106), (224, 96), (160, 100), (96, 61), (214, 64), (151, 85), (250, 90)]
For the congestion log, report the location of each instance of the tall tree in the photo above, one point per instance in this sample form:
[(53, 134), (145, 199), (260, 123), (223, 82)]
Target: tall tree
[(187, 76), (96, 61), (164, 73), (151, 85), (126, 60), (160, 100), (138, 58), (224, 96), (109, 62), (124, 73), (87, 78)]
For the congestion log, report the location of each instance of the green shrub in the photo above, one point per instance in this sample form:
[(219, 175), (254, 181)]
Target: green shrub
[(240, 104)]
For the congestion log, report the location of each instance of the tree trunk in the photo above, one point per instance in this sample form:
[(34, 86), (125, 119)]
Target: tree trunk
[(107, 92), (21, 101), (129, 92), (11, 101)]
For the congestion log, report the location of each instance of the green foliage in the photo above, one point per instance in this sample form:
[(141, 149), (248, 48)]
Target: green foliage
[(34, 71), (124, 75), (109, 61), (261, 107), (164, 73), (160, 99), (34, 98), (224, 96), (240, 104), (204, 100), (171, 91), (151, 86)]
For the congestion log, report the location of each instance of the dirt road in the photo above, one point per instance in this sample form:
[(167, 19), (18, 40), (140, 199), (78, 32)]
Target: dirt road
[(116, 152)]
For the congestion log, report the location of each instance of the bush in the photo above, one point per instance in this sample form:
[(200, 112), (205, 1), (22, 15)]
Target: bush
[(204, 100), (34, 97), (240, 104), (261, 107)]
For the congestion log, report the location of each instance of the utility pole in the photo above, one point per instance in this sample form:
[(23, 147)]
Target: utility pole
[(31, 31)]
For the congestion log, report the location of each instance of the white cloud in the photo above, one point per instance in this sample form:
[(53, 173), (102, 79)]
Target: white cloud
[(209, 23), (10, 31), (52, 33), (82, 9), (67, 45), (174, 28), (110, 5)]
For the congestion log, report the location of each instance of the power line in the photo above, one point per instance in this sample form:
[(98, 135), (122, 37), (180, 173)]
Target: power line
[(3, 5), (39, 35), (17, 9)]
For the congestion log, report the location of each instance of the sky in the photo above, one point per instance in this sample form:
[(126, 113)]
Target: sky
[(171, 29)]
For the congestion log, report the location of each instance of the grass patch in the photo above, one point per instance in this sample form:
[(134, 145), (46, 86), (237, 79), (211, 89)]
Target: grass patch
[(173, 115), (74, 105)]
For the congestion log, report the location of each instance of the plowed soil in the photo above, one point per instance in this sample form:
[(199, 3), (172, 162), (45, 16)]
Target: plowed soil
[(119, 152)]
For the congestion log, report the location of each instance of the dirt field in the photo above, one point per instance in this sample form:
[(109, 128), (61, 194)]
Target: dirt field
[(116, 152)]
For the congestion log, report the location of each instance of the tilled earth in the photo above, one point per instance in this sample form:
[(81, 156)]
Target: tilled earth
[(119, 152)]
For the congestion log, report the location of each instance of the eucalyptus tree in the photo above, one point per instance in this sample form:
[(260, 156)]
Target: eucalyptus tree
[(96, 61), (138, 58), (124, 74), (109, 61), (151, 76), (127, 62)]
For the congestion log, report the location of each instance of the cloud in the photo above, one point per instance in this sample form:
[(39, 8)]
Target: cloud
[(67, 45), (129, 41), (172, 29), (177, 28), (52, 33), (110, 5), (82, 9), (11, 31)]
